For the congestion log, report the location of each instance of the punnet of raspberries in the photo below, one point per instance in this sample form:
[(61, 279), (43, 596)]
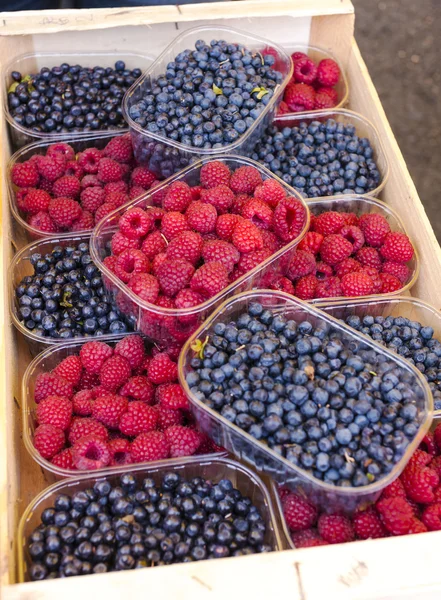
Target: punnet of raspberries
[(112, 405), (346, 255), (66, 191), (312, 86), (410, 504)]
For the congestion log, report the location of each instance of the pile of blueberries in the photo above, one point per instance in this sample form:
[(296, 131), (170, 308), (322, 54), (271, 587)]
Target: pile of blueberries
[(66, 298), (134, 525), (410, 339), (69, 98), (316, 396), (319, 158), (207, 97)]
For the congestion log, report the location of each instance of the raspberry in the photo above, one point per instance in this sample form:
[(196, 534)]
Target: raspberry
[(186, 299), (25, 175), (183, 441), (375, 228), (307, 538), (56, 411), (92, 198), (114, 372), (109, 170), (389, 283), (428, 444), (130, 262), (117, 199), (64, 459), (150, 446), (247, 237), (245, 180), (417, 526), (328, 72), (225, 226), (168, 417), (64, 211), (335, 248), (306, 287), (305, 70), (311, 242), (258, 212), (94, 354), (356, 284), (51, 168), (132, 349), (299, 513), (375, 277), (349, 265), (328, 223), (139, 418), (174, 275), (397, 247), (120, 243), (116, 186), (270, 191), (221, 197), (298, 55), (329, 288), (437, 437), (283, 108), (354, 235), (109, 409), (250, 260), (206, 445), (120, 452), (48, 440), (82, 403), (419, 458), (162, 370), (323, 270), (201, 217), (70, 368), (299, 97), (330, 92), (174, 223), (186, 246), (88, 381), (367, 525), (398, 270), (61, 150), (396, 514), (302, 263), (323, 100), (432, 517), (178, 197), (369, 257), (157, 262), (83, 427), (43, 222), (89, 159), (90, 453), (138, 388), (145, 286), (270, 241), (214, 173), (49, 384), (86, 221), (335, 529), (104, 210), (120, 149), (220, 251), (394, 489), (67, 186), (239, 202), (419, 483), (36, 201), (210, 279), (142, 177), (135, 223), (153, 244), (289, 218), (172, 396)]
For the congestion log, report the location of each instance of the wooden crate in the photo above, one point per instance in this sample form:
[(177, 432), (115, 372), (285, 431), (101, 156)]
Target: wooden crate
[(359, 570)]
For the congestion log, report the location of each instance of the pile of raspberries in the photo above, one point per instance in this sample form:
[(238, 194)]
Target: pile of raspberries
[(346, 255), (63, 191), (110, 406), (410, 504), (204, 237), (312, 86)]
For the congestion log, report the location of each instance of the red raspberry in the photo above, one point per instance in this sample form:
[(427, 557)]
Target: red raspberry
[(90, 181), (239, 202), (162, 370), (247, 237), (389, 283), (90, 453), (25, 175), (117, 199), (210, 279), (139, 388), (335, 529), (250, 260), (51, 168), (153, 244), (120, 149), (132, 349), (305, 70), (428, 444), (36, 201), (375, 277), (335, 248), (437, 437), (104, 210), (323, 270), (94, 354), (289, 218), (220, 251), (225, 225), (221, 197), (174, 275), (302, 263), (328, 72), (130, 262), (201, 217), (307, 538), (174, 223), (114, 373), (92, 198), (183, 440), (142, 177), (64, 459), (196, 192), (109, 409), (168, 417), (109, 170), (116, 186), (145, 286), (396, 514), (89, 159), (49, 384), (299, 513), (328, 223), (270, 192), (48, 440), (419, 458), (82, 403), (349, 265), (135, 223), (323, 100), (283, 108), (330, 92), (417, 526), (270, 241), (351, 219), (67, 186), (206, 445), (375, 229), (172, 395), (356, 284), (311, 242), (120, 452), (329, 288), (298, 55), (64, 211), (245, 180), (214, 173), (299, 97), (157, 262), (354, 235), (70, 369), (83, 427), (367, 525), (88, 381), (61, 150), (139, 418), (369, 257), (150, 446), (186, 246), (397, 247), (431, 517), (419, 483), (398, 270), (56, 411), (306, 287), (258, 212), (178, 197), (85, 222), (186, 299), (120, 243)]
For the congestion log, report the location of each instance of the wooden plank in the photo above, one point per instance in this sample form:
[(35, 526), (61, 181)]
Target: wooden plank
[(335, 34)]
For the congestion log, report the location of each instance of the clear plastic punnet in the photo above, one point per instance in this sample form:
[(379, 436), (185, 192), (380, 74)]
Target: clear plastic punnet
[(262, 458), (43, 363), (165, 324), (213, 468), (31, 63), (162, 155)]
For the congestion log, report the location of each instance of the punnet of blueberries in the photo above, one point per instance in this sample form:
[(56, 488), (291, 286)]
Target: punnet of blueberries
[(138, 524), (319, 159), (208, 96), (315, 394), (411, 340), (69, 98), (66, 298)]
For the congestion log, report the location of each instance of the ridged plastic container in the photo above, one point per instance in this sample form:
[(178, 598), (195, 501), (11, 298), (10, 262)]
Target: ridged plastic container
[(361, 205), (165, 324), (21, 267), (164, 156), (261, 457), (44, 362), (317, 54), (32, 63), (212, 468), (363, 128)]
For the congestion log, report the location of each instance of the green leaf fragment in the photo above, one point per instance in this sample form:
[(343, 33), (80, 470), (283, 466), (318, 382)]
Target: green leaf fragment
[(217, 90), (261, 91)]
